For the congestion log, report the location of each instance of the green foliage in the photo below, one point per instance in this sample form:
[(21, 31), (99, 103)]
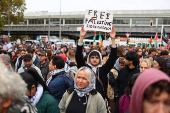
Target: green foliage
[(16, 10)]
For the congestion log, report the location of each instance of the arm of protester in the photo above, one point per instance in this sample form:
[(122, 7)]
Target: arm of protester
[(112, 36), (82, 35), (79, 55), (113, 55)]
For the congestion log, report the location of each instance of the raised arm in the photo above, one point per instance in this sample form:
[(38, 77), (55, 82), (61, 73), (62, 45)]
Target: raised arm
[(79, 56), (113, 55)]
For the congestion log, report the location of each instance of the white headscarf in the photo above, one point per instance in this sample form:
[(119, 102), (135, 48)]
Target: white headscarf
[(91, 86)]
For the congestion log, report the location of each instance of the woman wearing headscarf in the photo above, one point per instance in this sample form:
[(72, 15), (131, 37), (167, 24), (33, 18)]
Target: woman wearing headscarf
[(151, 93), (83, 98), (38, 92)]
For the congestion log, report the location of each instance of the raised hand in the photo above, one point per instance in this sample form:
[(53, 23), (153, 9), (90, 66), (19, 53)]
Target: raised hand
[(113, 33), (82, 32)]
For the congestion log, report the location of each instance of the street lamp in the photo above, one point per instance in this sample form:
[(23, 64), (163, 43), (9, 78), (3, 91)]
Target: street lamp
[(60, 21)]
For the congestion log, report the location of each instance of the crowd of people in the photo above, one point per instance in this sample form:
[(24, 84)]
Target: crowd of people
[(43, 78)]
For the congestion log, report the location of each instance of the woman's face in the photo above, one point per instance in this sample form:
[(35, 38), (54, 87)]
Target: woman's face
[(12, 53), (156, 65), (81, 80), (157, 104), (31, 92), (143, 66)]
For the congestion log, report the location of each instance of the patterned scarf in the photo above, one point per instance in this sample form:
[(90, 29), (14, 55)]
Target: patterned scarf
[(52, 73), (35, 99), (85, 91)]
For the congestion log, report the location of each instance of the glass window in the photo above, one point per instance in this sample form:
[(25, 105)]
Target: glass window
[(121, 21), (143, 21), (74, 21), (164, 21)]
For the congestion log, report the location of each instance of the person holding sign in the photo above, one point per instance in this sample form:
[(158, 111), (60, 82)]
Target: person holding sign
[(94, 61)]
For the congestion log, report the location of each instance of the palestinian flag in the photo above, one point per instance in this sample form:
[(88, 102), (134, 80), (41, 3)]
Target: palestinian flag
[(156, 41), (162, 42), (94, 18)]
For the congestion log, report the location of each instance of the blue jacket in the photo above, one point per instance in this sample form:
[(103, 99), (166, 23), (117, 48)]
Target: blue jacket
[(57, 86)]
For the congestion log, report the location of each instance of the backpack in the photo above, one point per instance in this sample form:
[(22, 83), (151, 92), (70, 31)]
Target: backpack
[(68, 80), (110, 89)]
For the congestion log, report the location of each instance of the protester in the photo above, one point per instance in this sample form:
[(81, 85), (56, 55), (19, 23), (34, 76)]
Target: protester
[(151, 93), (94, 60), (131, 63), (49, 54), (123, 105), (56, 82), (13, 56), (38, 92), (152, 51), (138, 51), (28, 63), (4, 58), (83, 98), (13, 89), (34, 57), (120, 53), (145, 64), (160, 63), (43, 65), (19, 61)]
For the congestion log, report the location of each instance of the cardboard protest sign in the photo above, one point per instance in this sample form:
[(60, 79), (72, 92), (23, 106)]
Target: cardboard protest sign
[(98, 20)]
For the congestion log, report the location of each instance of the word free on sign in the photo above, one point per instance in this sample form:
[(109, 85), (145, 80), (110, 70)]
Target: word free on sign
[(98, 20)]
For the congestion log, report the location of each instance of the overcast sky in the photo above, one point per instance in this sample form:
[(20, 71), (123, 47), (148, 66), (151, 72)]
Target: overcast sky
[(82, 5)]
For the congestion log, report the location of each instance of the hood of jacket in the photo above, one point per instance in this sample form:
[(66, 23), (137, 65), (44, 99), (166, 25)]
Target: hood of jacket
[(88, 59), (116, 65), (146, 79), (34, 57)]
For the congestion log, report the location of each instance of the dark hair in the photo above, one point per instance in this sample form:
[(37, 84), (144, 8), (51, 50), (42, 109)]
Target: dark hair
[(31, 77), (30, 51), (156, 89), (120, 51), (132, 56), (131, 82), (49, 54), (22, 50), (58, 61), (152, 49), (163, 64), (94, 53), (3, 51), (151, 56), (137, 49), (164, 52)]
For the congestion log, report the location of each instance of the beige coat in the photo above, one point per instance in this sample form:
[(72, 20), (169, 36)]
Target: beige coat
[(95, 103)]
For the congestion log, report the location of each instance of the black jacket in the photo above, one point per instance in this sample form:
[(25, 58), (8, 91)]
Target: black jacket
[(44, 69), (123, 78), (101, 71)]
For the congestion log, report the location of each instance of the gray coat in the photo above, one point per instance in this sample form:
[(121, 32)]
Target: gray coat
[(95, 103), (22, 69)]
